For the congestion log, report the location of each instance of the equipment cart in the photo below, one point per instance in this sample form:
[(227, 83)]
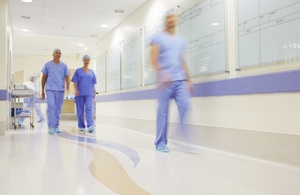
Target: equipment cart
[(16, 96)]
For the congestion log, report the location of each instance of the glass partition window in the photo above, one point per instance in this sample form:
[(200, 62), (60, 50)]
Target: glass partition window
[(132, 63), (101, 74), (203, 27), (114, 69), (268, 31)]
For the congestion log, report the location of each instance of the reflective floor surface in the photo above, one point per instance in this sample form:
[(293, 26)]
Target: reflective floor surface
[(120, 161)]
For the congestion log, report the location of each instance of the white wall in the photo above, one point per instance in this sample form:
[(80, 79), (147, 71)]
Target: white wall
[(277, 113), (266, 113)]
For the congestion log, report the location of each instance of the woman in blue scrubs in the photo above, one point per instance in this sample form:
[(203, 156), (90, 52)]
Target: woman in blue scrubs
[(84, 82)]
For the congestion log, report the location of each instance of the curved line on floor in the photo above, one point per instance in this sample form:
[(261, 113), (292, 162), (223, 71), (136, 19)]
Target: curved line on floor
[(131, 153), (109, 171)]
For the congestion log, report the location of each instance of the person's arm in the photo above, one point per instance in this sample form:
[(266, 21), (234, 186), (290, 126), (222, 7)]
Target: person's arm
[(67, 79), (76, 89), (185, 69), (75, 81), (94, 82), (44, 79), (68, 83), (187, 74), (154, 53), (162, 77)]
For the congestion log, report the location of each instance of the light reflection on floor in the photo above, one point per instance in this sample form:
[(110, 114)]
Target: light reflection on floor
[(32, 162)]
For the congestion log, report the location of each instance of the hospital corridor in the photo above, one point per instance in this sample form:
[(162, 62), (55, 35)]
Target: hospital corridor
[(137, 97)]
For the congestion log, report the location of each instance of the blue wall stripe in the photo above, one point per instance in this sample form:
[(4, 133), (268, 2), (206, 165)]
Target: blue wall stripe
[(282, 82), (136, 95), (3, 95)]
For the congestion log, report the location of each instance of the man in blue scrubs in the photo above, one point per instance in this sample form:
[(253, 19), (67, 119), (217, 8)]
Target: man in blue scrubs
[(173, 81), (84, 82), (55, 75)]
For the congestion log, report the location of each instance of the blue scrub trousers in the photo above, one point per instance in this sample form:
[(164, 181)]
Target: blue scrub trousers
[(84, 108), (55, 101), (178, 91), (37, 108)]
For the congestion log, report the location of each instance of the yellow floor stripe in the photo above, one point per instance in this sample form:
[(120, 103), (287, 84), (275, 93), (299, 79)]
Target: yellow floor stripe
[(108, 171)]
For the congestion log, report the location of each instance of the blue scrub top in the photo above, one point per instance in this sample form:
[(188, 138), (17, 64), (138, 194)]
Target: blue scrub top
[(85, 82), (56, 74), (171, 50)]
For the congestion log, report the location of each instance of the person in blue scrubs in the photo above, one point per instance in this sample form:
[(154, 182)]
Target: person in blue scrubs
[(173, 80), (84, 82), (32, 85), (55, 76), (37, 96)]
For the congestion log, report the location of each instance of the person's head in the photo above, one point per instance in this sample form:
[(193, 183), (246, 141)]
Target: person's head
[(86, 60), (33, 78), (171, 19), (56, 54)]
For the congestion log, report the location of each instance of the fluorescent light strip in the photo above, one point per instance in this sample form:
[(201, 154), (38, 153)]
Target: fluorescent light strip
[(215, 24), (104, 25), (25, 30)]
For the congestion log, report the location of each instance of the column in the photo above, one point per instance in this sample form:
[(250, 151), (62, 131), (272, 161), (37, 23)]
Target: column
[(5, 45)]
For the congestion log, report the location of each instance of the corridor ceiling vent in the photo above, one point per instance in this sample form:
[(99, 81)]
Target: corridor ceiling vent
[(119, 11), (25, 17)]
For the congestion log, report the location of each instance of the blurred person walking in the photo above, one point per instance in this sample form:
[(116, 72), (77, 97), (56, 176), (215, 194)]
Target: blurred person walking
[(173, 80)]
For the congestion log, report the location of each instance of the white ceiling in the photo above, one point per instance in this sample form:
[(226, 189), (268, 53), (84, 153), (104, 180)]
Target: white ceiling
[(65, 23)]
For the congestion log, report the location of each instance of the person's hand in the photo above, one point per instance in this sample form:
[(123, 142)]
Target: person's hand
[(191, 87), (163, 79), (43, 95), (163, 76), (77, 93)]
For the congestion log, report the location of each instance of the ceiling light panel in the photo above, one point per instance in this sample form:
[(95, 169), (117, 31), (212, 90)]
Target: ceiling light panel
[(104, 25), (27, 1), (25, 30)]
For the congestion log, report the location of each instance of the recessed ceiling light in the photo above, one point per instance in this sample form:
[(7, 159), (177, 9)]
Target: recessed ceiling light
[(85, 48), (104, 25), (215, 24), (81, 44), (25, 30), (27, 1), (119, 11), (26, 17)]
